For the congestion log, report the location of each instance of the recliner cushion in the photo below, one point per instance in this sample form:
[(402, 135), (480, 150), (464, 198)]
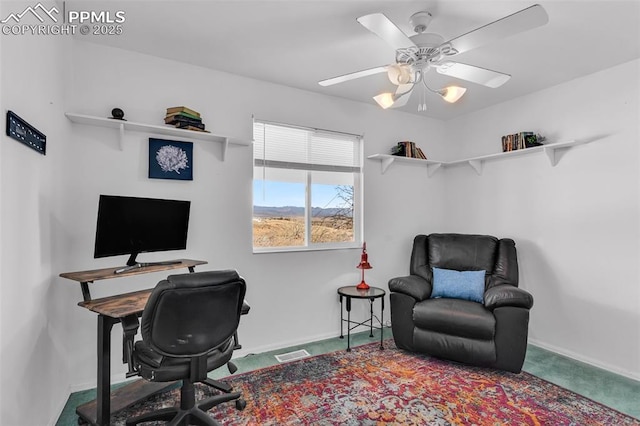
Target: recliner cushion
[(455, 317), (461, 349), (462, 252)]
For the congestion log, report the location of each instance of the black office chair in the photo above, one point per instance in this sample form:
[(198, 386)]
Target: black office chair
[(188, 326)]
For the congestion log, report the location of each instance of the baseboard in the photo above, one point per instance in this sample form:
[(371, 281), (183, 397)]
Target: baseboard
[(587, 360), (281, 345), (57, 413)]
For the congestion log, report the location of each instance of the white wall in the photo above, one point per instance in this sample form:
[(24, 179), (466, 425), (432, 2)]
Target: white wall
[(34, 359), (576, 225), (293, 295)]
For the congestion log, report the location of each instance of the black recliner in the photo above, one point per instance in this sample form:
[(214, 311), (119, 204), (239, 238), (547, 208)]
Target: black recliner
[(493, 333), (188, 326)]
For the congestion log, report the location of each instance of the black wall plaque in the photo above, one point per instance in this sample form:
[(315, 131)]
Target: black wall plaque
[(24, 132)]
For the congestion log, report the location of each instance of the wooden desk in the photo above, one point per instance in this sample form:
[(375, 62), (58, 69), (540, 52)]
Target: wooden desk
[(112, 310), (119, 306), (87, 277)]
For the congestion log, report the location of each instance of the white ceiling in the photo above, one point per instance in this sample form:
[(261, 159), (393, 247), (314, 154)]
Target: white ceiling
[(298, 43)]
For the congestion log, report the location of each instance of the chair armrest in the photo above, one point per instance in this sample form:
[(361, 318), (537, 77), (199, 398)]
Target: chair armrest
[(411, 285), (143, 353), (507, 295)]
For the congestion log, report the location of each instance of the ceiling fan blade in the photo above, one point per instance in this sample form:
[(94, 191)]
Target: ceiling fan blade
[(473, 74), (526, 19), (381, 26), (353, 76), (403, 93)]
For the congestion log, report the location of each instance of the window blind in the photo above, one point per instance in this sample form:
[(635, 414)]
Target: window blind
[(286, 147)]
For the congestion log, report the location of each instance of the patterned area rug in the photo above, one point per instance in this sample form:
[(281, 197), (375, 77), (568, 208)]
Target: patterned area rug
[(372, 387)]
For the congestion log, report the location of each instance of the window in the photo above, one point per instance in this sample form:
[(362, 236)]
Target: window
[(306, 188)]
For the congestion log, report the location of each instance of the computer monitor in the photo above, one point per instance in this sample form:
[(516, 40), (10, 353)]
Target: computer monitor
[(131, 225)]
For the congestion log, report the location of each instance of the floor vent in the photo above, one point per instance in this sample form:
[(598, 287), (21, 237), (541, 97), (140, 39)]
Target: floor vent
[(292, 356)]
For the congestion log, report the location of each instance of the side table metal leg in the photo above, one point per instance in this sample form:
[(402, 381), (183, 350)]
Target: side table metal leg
[(341, 318), (381, 320), (348, 324), (371, 317)]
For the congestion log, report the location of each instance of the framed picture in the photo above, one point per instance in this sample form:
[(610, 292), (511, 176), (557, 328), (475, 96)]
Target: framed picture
[(170, 159)]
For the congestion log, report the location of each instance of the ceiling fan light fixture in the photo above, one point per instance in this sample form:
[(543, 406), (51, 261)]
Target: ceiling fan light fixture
[(399, 74), (385, 100), (452, 94)]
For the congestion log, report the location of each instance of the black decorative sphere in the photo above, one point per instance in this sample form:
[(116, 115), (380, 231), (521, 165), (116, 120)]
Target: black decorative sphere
[(117, 113)]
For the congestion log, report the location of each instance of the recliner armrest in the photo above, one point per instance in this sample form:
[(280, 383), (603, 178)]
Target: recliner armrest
[(411, 285), (507, 295)]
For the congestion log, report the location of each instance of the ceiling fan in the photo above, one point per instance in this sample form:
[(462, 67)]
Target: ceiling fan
[(419, 53)]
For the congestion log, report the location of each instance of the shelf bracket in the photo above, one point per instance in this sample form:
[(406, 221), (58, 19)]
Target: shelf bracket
[(477, 166), (386, 162), (431, 169), (225, 145), (121, 136), (551, 154)]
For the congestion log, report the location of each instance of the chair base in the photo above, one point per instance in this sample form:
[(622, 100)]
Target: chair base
[(189, 413)]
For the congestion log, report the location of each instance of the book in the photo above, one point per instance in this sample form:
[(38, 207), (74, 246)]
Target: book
[(183, 109), (407, 149), (197, 129), (521, 140), (182, 113), (181, 119), (184, 125)]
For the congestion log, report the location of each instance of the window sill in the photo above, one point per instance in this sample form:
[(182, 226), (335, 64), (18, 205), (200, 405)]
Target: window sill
[(324, 247)]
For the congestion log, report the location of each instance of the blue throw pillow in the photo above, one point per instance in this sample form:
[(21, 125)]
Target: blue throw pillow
[(467, 285)]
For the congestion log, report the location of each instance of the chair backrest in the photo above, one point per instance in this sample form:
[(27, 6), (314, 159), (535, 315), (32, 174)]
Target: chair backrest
[(191, 314), (466, 252)]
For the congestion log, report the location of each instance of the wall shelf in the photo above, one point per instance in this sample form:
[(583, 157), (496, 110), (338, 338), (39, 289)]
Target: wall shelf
[(477, 163), (132, 126), (386, 160)]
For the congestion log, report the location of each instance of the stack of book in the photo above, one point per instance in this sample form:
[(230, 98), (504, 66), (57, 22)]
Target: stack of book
[(184, 118), (520, 140), (408, 149)]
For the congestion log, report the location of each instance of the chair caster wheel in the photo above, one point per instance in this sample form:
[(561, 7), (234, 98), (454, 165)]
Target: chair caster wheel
[(240, 404)]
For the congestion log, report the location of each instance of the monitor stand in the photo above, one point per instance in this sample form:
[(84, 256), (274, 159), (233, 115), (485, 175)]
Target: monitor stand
[(132, 264)]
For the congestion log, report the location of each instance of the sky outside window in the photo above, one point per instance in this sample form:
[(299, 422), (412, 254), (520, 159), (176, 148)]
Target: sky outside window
[(279, 194)]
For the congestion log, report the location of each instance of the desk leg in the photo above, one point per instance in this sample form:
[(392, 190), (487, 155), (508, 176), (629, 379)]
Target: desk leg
[(103, 400)]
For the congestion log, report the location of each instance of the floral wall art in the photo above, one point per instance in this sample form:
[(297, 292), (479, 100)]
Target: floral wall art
[(170, 159)]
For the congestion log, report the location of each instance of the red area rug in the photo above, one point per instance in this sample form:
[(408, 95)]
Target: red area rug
[(372, 387)]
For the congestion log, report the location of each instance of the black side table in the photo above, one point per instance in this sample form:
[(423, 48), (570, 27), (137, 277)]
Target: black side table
[(372, 293)]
